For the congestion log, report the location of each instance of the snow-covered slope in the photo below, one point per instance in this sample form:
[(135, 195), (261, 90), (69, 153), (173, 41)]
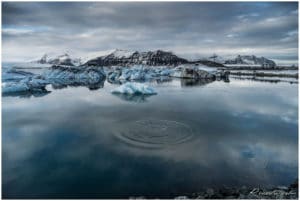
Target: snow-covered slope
[(251, 61), (215, 58), (118, 53), (92, 55), (61, 59)]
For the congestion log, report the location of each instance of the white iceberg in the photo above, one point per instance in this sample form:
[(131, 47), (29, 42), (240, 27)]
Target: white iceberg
[(134, 88)]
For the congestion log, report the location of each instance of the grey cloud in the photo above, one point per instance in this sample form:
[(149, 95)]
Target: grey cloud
[(187, 28)]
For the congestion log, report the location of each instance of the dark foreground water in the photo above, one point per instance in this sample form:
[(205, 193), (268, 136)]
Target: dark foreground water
[(81, 143)]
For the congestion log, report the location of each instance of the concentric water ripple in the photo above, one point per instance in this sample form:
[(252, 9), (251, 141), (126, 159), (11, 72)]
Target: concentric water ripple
[(152, 133)]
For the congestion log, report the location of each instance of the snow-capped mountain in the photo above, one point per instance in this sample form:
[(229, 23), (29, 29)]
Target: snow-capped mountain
[(251, 60), (63, 59), (153, 58), (215, 58), (126, 57)]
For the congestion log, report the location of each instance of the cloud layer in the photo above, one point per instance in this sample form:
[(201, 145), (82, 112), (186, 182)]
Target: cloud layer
[(191, 29)]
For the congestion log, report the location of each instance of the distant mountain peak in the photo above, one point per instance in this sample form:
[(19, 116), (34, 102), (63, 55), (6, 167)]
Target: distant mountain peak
[(251, 60)]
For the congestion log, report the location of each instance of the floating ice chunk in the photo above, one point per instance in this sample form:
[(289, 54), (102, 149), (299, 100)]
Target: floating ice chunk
[(137, 75), (192, 73), (113, 75), (149, 76), (166, 72), (13, 74), (27, 84), (126, 73), (12, 87), (80, 75), (134, 88), (177, 73), (36, 82), (208, 69)]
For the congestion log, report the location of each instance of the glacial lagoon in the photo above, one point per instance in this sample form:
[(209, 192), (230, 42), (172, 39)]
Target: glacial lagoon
[(75, 142)]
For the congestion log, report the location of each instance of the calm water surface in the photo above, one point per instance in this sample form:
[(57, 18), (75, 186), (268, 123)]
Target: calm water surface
[(81, 143)]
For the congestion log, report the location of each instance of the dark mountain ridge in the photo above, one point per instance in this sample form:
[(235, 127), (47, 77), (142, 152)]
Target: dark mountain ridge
[(123, 57)]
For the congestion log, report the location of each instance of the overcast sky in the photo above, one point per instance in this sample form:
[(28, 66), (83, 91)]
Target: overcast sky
[(188, 29)]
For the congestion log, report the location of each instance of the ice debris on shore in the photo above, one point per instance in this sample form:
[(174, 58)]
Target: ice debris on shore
[(134, 88)]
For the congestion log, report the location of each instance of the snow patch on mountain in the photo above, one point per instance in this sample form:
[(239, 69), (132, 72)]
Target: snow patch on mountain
[(118, 53), (94, 55)]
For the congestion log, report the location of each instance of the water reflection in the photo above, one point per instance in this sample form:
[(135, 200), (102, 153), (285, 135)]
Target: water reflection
[(154, 133), (195, 82), (27, 94), (267, 79), (162, 80), (243, 133), (137, 98), (61, 84)]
